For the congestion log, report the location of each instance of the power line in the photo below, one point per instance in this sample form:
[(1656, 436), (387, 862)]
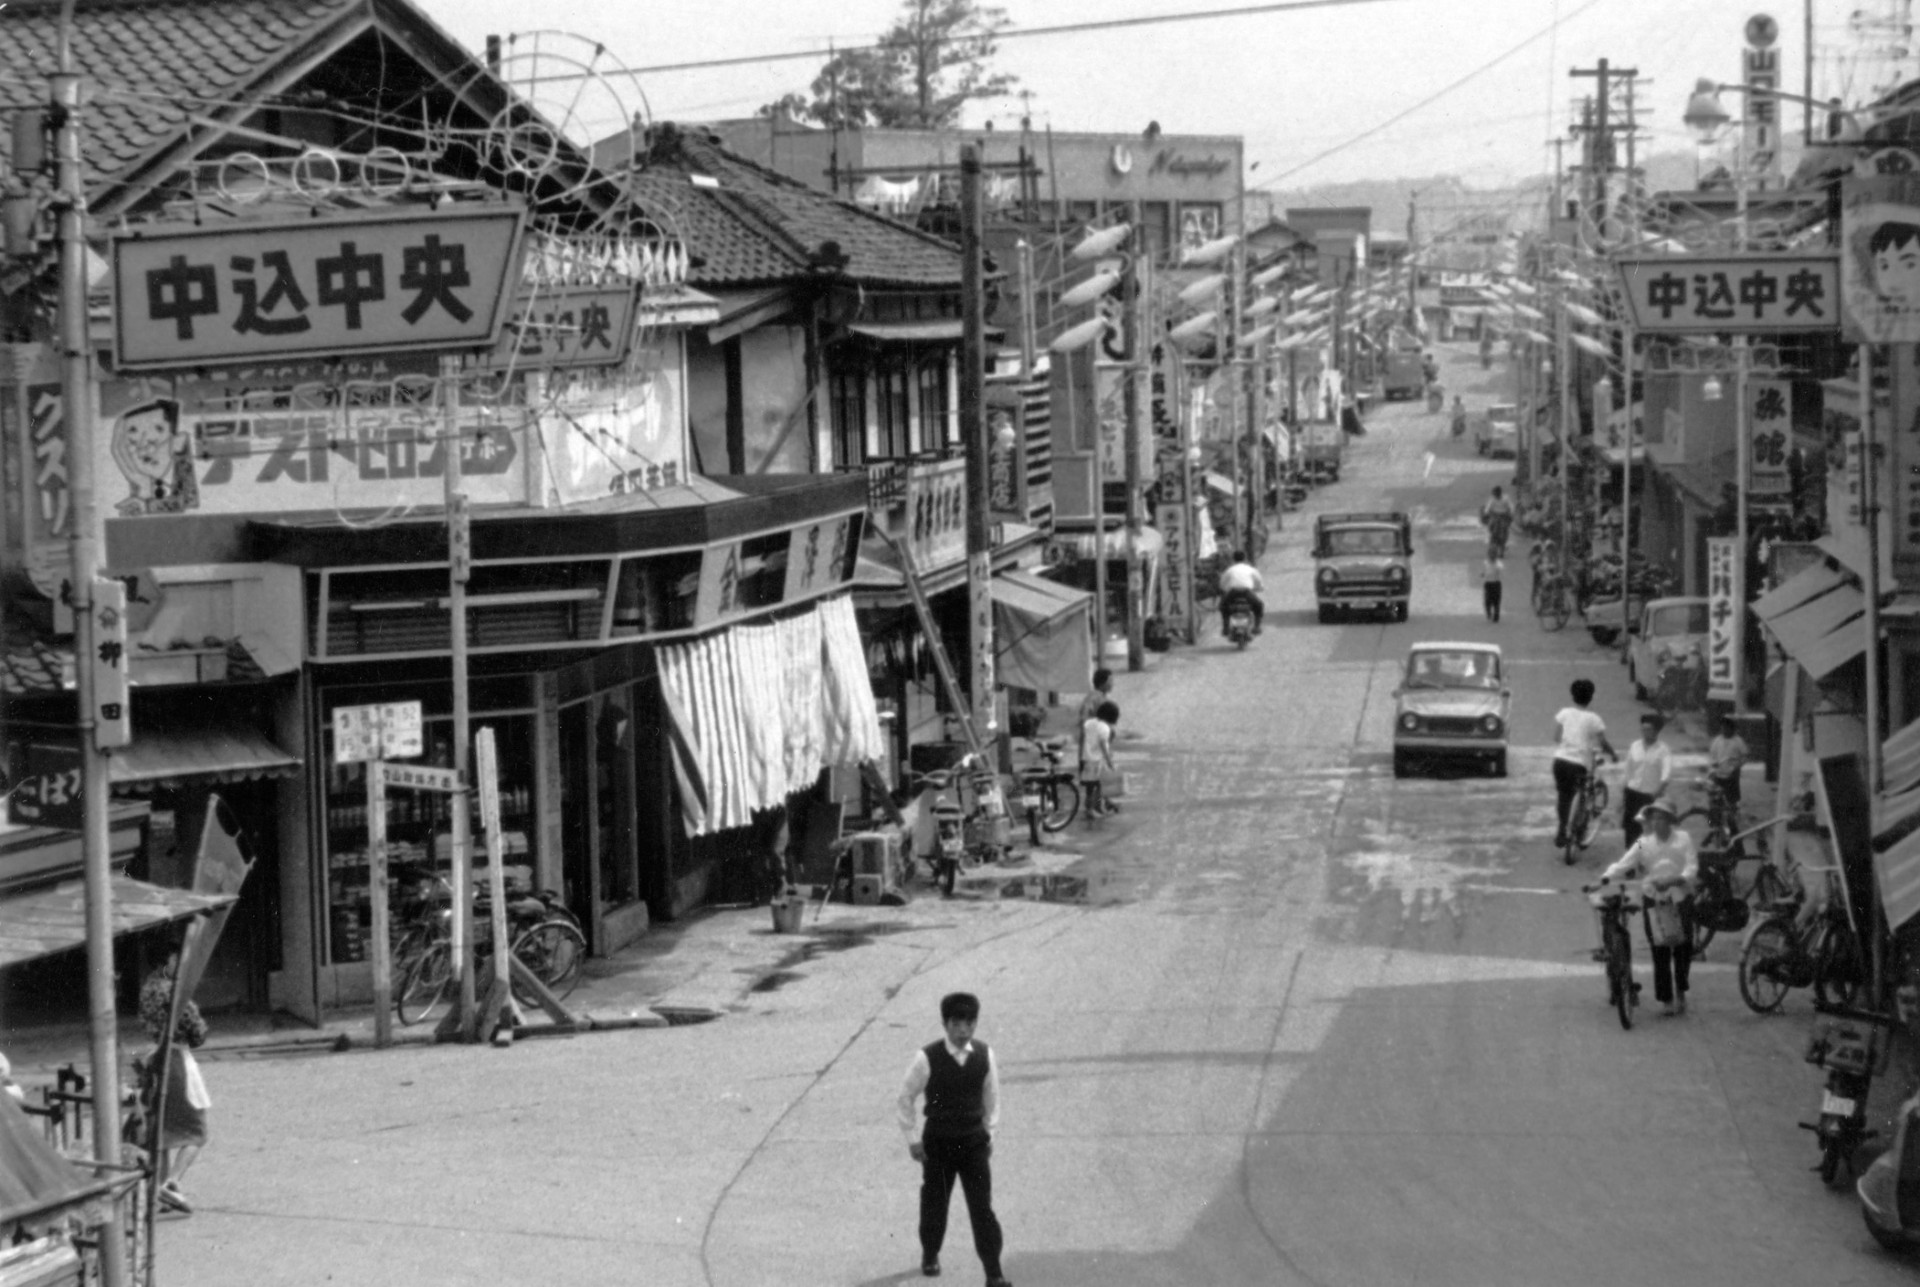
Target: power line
[(1430, 99), (1022, 33)]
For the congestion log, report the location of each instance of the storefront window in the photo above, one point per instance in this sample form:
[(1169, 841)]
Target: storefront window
[(847, 388), (933, 402), (419, 823), (895, 411)]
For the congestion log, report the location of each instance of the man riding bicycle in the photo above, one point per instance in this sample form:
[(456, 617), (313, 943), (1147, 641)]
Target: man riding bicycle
[(1581, 735), (1497, 517)]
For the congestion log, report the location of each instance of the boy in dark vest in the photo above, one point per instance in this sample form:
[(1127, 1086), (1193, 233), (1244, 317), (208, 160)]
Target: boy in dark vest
[(962, 1086)]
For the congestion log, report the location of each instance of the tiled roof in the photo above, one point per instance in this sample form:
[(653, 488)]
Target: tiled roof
[(752, 226), (149, 64)]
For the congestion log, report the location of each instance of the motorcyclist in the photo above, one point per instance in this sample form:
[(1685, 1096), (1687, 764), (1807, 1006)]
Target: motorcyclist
[(1241, 581)]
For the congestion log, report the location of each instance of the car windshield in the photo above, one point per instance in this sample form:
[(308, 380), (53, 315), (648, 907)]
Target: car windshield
[(1679, 619), (1453, 669), (1363, 540)]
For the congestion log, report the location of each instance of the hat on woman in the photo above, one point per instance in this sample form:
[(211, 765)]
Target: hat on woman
[(1652, 807)]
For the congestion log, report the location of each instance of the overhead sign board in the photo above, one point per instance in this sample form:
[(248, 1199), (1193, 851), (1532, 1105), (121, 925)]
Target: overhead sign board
[(240, 292), (420, 777), (1880, 257), (567, 327), (389, 730), (1736, 294)]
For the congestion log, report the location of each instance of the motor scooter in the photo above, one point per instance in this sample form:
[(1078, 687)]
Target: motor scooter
[(1239, 610), (949, 835), (1890, 1189), (1852, 1046)]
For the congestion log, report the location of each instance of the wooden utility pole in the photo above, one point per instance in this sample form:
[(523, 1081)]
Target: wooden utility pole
[(973, 438), (1138, 350)]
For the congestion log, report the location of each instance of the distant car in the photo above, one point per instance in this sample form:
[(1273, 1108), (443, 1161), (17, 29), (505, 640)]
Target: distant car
[(1452, 704), (1363, 560), (1499, 433), (1668, 630)]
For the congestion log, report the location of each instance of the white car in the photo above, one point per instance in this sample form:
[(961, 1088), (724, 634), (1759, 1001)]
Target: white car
[(1669, 630), (1499, 433), (1452, 703)]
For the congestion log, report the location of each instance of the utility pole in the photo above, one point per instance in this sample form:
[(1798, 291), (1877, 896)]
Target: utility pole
[(1138, 349), (973, 436), (463, 1023), (76, 392), (1600, 131)]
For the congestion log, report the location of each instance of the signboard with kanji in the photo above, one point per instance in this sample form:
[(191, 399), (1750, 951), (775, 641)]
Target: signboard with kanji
[(1725, 618), (49, 792), (1175, 526), (566, 327), (420, 777), (1736, 294), (112, 711), (388, 730), (1769, 438), (237, 292), (1761, 68), (817, 557), (1880, 258)]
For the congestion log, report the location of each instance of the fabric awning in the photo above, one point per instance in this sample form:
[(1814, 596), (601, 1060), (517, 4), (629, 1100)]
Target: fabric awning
[(39, 1186), (1899, 797), (1898, 874), (45, 921), (219, 752), (1042, 633), (1815, 615), (756, 711)]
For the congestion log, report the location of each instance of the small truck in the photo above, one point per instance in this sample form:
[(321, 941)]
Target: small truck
[(1363, 561)]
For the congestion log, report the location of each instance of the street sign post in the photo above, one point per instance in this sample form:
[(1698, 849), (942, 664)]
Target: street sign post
[(501, 1010)]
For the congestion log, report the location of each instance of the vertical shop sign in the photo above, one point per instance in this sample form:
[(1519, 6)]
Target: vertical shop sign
[(1770, 438), (1171, 518), (1902, 468), (1762, 127), (1006, 453), (817, 557), (1725, 618)]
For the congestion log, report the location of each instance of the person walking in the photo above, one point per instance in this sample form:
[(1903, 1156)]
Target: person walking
[(1497, 517), (1649, 768), (1665, 861), (182, 1107), (961, 1082), (1490, 577)]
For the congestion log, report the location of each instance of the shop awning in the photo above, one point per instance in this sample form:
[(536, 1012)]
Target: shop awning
[(927, 331), (220, 752), (1042, 633), (1899, 797), (1898, 873), (1815, 615), (38, 1186), (45, 921), (1081, 544)]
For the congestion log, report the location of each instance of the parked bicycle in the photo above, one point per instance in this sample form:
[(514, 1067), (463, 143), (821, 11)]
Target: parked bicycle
[(1049, 793), (545, 937), (1791, 950), (1617, 900), (1587, 817), (1552, 598), (1722, 903)]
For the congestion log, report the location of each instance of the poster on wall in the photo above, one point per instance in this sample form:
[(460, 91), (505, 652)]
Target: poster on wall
[(1725, 618), (616, 431), (1880, 258)]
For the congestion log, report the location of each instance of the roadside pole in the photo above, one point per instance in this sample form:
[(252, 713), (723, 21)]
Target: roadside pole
[(76, 392), (380, 949), (502, 1014), (1136, 348), (973, 438), (459, 568)]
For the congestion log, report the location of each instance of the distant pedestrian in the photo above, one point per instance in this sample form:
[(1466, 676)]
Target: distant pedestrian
[(1649, 767), (183, 1106), (1096, 758), (961, 1083), (1497, 517), (1490, 576), (1725, 756), (1102, 689)]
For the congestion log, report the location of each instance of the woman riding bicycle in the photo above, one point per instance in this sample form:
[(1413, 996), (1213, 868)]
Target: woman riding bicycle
[(1665, 862), (1581, 736)]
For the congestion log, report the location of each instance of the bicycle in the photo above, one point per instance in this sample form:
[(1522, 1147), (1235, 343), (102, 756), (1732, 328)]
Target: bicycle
[(1049, 795), (1587, 816), (548, 941), (1623, 994), (1552, 600), (1823, 954), (1720, 904)]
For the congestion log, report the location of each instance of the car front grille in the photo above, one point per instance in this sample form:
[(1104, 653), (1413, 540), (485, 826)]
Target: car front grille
[(1451, 726)]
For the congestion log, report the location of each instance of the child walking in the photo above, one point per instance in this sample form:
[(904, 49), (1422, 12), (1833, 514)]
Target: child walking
[(1490, 575)]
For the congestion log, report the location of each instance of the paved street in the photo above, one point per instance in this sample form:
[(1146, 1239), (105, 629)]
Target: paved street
[(1285, 1020)]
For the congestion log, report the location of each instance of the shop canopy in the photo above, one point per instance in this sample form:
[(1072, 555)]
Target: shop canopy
[(46, 921), (221, 751), (1042, 633), (1816, 617), (1899, 798), (39, 1188)]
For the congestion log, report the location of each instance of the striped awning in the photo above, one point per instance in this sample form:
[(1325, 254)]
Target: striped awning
[(1816, 616), (1898, 872), (1899, 798), (215, 752), (755, 712)]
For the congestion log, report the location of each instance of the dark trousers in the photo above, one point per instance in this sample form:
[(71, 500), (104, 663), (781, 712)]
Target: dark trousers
[(1568, 778), (1671, 964), (1493, 600), (1631, 802), (968, 1159)]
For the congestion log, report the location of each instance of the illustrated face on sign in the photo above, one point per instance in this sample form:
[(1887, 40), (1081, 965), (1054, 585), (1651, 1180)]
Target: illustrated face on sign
[(1895, 248), (151, 451)]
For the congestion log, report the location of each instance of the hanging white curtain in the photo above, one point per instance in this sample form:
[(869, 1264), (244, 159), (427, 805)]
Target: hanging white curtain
[(758, 711)]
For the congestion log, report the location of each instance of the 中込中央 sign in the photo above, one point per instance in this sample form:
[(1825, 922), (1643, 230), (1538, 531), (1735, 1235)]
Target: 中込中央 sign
[(1738, 294), (198, 296), (567, 327)]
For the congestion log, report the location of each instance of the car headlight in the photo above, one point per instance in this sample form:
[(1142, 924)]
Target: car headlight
[(1396, 573), (1410, 722), (1490, 724), (1328, 574)]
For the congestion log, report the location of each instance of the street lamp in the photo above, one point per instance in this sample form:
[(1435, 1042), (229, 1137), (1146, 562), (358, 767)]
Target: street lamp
[(1707, 118)]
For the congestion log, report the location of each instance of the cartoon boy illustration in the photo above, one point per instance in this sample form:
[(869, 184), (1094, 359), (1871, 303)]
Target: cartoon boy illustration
[(1894, 249), (156, 457)]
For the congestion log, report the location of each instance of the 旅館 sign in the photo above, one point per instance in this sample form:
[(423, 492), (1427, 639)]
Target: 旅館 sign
[(382, 283)]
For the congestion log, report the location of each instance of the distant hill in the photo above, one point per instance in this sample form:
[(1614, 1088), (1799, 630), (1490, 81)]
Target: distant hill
[(1447, 206)]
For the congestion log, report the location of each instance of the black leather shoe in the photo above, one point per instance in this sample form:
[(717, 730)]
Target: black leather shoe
[(930, 1267), (998, 1282)]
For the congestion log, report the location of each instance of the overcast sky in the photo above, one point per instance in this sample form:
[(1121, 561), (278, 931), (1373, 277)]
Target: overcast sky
[(1296, 84)]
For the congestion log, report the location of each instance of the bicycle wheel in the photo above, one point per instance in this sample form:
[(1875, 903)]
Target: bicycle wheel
[(1555, 607), (424, 983), (1763, 985), (1576, 827), (1620, 972), (1594, 817), (1059, 804), (1837, 974), (553, 950)]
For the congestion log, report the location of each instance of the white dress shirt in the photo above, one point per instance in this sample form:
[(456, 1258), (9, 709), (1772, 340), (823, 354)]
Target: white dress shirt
[(1652, 858), (919, 1070), (1649, 768)]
